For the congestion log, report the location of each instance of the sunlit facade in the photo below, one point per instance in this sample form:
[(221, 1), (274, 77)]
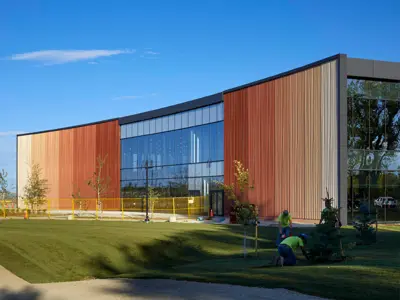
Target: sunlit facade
[(332, 125)]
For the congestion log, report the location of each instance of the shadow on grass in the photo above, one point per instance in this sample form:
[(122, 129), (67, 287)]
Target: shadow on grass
[(25, 294), (173, 252), (215, 256)]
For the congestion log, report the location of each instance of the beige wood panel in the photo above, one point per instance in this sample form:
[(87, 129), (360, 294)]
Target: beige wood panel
[(38, 150), (329, 138), (24, 165), (298, 145), (313, 155), (51, 165)]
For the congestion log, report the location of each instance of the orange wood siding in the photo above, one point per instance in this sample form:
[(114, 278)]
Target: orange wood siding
[(284, 131), (68, 159)]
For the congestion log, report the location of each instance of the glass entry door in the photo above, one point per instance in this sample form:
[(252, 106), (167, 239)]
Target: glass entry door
[(217, 202)]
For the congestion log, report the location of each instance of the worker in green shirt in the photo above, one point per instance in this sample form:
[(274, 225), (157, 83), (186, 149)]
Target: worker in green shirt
[(328, 215), (285, 226), (288, 247)]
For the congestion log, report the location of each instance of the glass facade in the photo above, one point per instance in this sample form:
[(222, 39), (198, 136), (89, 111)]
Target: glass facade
[(185, 150), (373, 130), (200, 116)]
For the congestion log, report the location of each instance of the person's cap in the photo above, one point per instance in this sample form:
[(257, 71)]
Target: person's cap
[(303, 235), (285, 212)]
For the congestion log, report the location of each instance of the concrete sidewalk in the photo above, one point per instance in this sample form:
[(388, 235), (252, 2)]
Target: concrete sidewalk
[(14, 288), (9, 281)]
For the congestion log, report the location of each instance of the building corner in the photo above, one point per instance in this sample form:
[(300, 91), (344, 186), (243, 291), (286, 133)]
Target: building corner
[(342, 137)]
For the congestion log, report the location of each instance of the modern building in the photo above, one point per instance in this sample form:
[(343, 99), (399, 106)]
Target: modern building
[(331, 125)]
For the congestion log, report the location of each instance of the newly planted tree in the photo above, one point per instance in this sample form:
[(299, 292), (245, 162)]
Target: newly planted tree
[(3, 184), (99, 183), (246, 213), (3, 189), (326, 242), (153, 198), (36, 189), (366, 225), (79, 202)]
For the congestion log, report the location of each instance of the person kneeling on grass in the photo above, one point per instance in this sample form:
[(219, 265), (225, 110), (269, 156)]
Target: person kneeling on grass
[(288, 247)]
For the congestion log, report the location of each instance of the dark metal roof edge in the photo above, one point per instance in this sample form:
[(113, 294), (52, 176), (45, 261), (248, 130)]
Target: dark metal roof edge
[(371, 69), (373, 78), (173, 109), (69, 127), (287, 73)]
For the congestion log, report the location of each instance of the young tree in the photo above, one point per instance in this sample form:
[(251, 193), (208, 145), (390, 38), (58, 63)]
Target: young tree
[(246, 213), (153, 197), (326, 244), (366, 225), (3, 184), (82, 203), (36, 189), (99, 184)]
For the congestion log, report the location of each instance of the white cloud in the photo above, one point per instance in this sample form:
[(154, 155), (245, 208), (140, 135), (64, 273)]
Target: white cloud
[(134, 97), (51, 57), (93, 63), (10, 133), (152, 53)]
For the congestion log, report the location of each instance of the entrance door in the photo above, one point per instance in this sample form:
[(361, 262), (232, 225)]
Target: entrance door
[(217, 202)]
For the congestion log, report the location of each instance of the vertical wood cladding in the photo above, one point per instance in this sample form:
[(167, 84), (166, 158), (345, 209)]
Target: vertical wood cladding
[(285, 132), (68, 158)]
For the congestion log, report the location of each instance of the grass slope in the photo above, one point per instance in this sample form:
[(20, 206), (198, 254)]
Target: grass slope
[(50, 251)]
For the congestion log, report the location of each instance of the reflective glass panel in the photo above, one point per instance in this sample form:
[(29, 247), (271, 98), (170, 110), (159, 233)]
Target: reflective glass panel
[(139, 128), (123, 131), (171, 122), (192, 118), (178, 121), (185, 119), (220, 111), (146, 127), (158, 125), (199, 116), (206, 115), (213, 113), (164, 123), (152, 126)]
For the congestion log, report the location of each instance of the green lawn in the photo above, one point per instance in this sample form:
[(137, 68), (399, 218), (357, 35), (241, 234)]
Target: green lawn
[(49, 251)]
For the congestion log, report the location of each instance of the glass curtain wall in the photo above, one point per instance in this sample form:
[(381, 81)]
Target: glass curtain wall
[(185, 151), (374, 147)]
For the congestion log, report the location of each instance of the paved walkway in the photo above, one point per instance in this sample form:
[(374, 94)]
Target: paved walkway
[(14, 288)]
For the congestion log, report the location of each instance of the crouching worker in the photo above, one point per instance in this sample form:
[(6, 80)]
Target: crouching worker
[(285, 226), (288, 247)]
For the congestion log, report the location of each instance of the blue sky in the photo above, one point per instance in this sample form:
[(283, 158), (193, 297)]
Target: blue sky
[(64, 63)]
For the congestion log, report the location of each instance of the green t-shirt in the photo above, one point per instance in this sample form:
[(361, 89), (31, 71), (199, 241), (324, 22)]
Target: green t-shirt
[(325, 213), (284, 220), (293, 242)]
